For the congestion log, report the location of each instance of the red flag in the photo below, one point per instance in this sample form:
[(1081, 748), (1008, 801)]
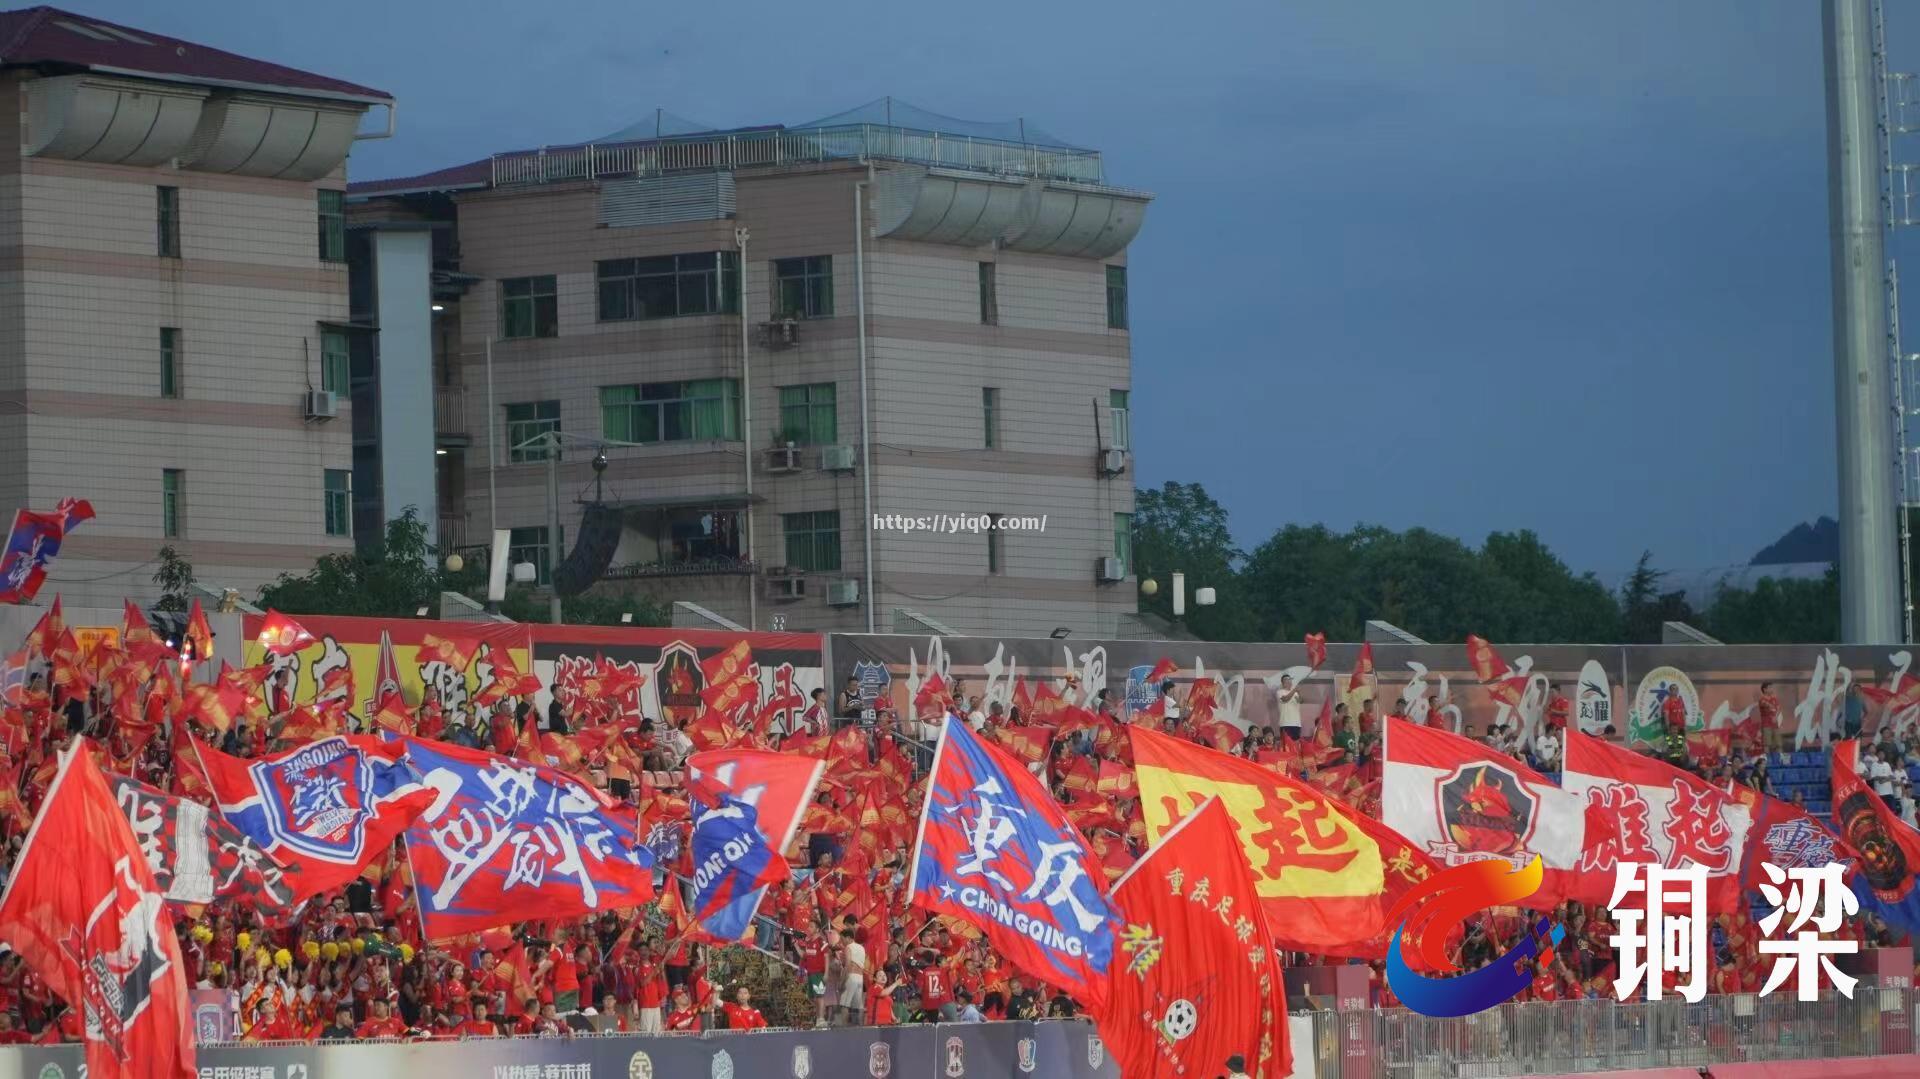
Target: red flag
[(729, 697), (456, 652), (1162, 671), (1662, 815), (196, 644), (1115, 780), (84, 911), (1888, 847), (337, 684), (216, 705), (135, 628), (1030, 744), (1023, 699), (1362, 668), (731, 665), (508, 681), (1192, 950), (1316, 650), (1486, 663), (282, 636), (46, 632)]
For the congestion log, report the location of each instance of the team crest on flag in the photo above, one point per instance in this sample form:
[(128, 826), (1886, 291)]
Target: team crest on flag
[(314, 799), (118, 986), (1484, 808)]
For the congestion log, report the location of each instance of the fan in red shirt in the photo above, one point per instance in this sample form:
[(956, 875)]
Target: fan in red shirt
[(741, 1014), (271, 1026), (684, 1017), (9, 1034), (935, 988), (1559, 709), (529, 1020), (1546, 985), (381, 1024), (479, 1026)]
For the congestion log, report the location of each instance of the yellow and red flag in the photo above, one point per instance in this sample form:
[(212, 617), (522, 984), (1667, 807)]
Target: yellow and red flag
[(282, 636), (507, 682), (728, 666), (46, 632), (196, 644), (456, 652), (1162, 671), (1193, 955), (1326, 873), (1362, 674), (135, 628)]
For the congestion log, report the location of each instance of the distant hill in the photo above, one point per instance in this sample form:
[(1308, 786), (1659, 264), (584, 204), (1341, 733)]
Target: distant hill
[(1816, 542)]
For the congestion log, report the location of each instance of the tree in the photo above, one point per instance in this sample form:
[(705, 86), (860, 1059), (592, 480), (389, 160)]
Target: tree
[(591, 608), (175, 578), (1181, 527), (391, 579), (1778, 611), (1644, 608)]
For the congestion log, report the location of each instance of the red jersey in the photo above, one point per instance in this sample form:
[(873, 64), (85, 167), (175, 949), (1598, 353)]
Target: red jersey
[(566, 975), (478, 1028), (278, 1030), (1675, 711), (1546, 987), (651, 992), (390, 1027), (743, 1017), (14, 1037), (688, 1019), (813, 954), (935, 988)]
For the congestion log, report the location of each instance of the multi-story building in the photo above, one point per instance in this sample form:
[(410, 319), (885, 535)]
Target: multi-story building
[(774, 336), (173, 302)]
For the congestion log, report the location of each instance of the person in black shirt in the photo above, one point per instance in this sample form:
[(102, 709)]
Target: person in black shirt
[(341, 1029)]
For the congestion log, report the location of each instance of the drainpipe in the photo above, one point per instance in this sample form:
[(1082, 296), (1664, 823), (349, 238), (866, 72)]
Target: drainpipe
[(866, 428), (746, 432)]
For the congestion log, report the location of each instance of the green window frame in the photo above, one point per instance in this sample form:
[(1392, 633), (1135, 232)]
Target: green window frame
[(173, 491), (803, 287), (808, 416), (527, 420), (813, 540), (704, 409), (990, 415), (989, 295), (169, 361), (529, 307), (339, 501), (1122, 419), (336, 362), (668, 286), (1116, 297), (332, 209), (166, 201), (1123, 541)]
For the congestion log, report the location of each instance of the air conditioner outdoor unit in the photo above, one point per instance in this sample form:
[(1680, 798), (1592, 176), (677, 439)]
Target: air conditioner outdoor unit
[(322, 405), (1109, 569), (837, 458), (780, 459), (843, 593), (780, 333), (1113, 462), (783, 583)]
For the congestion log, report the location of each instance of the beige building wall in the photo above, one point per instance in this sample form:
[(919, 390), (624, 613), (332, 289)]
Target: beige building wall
[(83, 297), (1051, 357)]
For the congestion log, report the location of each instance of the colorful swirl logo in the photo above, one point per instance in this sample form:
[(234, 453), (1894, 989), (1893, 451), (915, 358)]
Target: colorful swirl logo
[(1423, 930)]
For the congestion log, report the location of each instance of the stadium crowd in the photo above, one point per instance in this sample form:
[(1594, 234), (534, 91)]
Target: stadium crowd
[(838, 942)]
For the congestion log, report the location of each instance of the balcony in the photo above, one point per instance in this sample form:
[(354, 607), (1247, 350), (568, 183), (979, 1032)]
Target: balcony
[(450, 417), (719, 566)]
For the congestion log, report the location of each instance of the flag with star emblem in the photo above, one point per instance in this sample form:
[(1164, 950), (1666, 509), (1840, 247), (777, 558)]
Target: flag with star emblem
[(995, 850), (1195, 978), (1325, 872)]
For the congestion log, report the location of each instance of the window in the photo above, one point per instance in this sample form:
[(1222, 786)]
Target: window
[(167, 216), (669, 285), (526, 421), (807, 415), (994, 563), (1116, 297), (990, 414), (1123, 541), (803, 288), (529, 307), (333, 226), (339, 495), (169, 361), (173, 493), (336, 364), (530, 545), (671, 411), (989, 297), (813, 540), (1122, 419)]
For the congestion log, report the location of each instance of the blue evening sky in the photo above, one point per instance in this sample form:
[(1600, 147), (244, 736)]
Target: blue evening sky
[(1472, 266)]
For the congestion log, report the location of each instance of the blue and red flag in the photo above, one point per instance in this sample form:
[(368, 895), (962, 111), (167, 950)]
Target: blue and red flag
[(506, 840), (997, 851), (1888, 849), (32, 545), (746, 805), (326, 809)]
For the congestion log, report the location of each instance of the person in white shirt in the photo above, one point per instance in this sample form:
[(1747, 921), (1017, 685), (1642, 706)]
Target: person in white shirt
[(1236, 1067), (976, 715), (1172, 709), (1546, 750), (1287, 708)]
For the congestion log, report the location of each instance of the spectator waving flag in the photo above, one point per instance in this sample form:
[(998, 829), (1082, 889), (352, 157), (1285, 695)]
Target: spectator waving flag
[(748, 804), (506, 840), (327, 808), (196, 856), (1889, 848), (996, 851), (32, 545)]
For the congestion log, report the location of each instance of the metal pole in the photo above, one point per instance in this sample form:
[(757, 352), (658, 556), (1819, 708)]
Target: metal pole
[(553, 526), (493, 455), (746, 431), (866, 428), (1869, 577)]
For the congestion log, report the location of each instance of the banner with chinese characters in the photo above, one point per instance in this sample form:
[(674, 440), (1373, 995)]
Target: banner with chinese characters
[(786, 666), (1617, 692), (356, 643)]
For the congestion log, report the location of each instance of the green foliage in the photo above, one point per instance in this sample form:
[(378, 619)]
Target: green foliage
[(523, 604), (1778, 612), (175, 578), (1644, 608), (1180, 527), (390, 579)]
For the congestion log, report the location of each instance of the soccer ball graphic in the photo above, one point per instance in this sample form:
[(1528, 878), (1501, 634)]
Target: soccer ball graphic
[(1181, 1020)]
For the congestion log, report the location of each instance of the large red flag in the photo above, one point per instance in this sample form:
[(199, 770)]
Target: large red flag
[(1661, 814), (196, 643), (1362, 669), (282, 636), (82, 908), (1195, 977), (1326, 873), (1316, 650)]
